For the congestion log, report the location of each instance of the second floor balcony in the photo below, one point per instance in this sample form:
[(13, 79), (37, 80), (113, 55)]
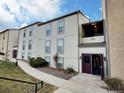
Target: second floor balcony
[(93, 32)]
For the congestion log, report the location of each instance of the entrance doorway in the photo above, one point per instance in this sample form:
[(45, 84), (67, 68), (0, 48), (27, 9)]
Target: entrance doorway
[(96, 65), (93, 64)]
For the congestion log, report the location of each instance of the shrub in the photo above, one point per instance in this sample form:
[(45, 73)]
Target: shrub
[(38, 62), (69, 71), (39, 59), (114, 84), (32, 61)]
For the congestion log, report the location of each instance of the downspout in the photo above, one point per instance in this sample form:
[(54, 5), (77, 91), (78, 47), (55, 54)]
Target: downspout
[(107, 39)]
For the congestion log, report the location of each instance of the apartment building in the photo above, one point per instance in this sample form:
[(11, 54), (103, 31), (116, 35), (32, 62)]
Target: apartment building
[(72, 38), (58, 37), (113, 14), (8, 44)]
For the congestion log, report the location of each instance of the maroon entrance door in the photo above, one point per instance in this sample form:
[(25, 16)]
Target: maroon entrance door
[(86, 63), (93, 64)]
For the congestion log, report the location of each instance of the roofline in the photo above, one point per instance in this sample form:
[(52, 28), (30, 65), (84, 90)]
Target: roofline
[(70, 14), (93, 22), (29, 25), (40, 23), (7, 30)]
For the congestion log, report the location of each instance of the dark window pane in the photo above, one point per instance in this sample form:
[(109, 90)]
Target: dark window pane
[(87, 59), (14, 53)]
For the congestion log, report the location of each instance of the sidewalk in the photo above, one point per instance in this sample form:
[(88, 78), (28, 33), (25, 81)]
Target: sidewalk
[(68, 86)]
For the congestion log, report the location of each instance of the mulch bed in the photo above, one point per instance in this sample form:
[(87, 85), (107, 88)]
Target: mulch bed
[(57, 72)]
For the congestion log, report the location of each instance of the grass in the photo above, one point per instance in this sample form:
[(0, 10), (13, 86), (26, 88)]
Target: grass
[(9, 70)]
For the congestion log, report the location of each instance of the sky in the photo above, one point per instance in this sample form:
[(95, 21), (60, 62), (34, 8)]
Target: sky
[(19, 13)]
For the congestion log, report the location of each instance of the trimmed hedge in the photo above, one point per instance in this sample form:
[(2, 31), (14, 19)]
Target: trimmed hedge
[(38, 62)]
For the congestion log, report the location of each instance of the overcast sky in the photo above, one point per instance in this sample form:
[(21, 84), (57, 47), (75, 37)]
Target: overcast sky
[(18, 13)]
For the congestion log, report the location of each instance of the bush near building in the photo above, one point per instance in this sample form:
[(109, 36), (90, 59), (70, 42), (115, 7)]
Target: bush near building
[(69, 71), (115, 84), (38, 62)]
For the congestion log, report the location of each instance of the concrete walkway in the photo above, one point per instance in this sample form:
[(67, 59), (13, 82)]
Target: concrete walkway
[(74, 85)]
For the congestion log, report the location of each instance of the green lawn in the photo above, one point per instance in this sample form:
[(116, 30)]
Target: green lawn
[(9, 70)]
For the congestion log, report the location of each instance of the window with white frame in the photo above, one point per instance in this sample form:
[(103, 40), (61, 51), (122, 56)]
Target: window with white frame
[(48, 29), (30, 33), (3, 36), (60, 46), (60, 62), (30, 44), (48, 59), (48, 46), (60, 24), (23, 46), (23, 55), (24, 34), (29, 54)]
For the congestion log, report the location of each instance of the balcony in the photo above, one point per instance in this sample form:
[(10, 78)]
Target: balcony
[(93, 32)]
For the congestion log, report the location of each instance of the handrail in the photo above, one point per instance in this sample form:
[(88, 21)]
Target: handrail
[(36, 84), (17, 80)]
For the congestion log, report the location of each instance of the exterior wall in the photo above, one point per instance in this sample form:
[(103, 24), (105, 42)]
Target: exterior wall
[(26, 39), (3, 44), (12, 43), (11, 39), (39, 38), (93, 50), (115, 36)]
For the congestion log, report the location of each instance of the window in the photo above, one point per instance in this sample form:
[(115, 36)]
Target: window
[(30, 33), (3, 36), (60, 62), (2, 46), (23, 55), (48, 30), (29, 54), (30, 44), (14, 53), (60, 26), (87, 59), (48, 59), (23, 46), (24, 34), (48, 46), (60, 46)]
